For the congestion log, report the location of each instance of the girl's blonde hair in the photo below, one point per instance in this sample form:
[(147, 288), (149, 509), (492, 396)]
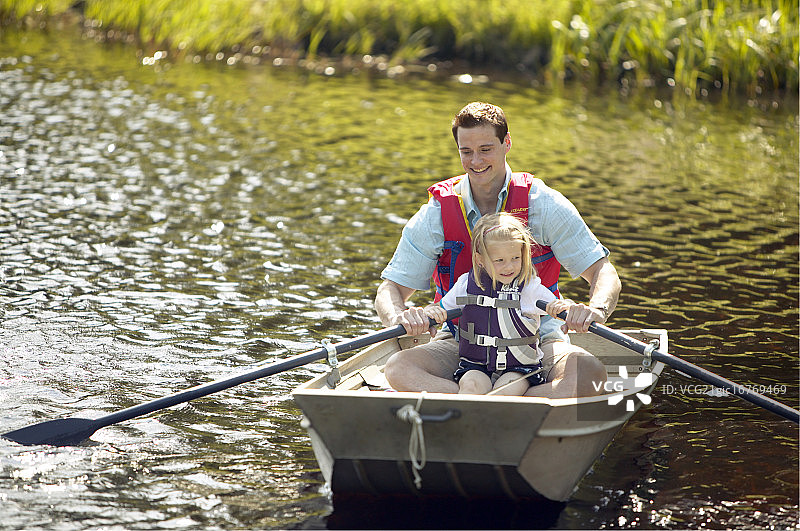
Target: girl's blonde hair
[(502, 227)]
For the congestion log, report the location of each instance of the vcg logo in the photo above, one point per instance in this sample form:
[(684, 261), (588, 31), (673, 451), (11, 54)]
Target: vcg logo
[(618, 386)]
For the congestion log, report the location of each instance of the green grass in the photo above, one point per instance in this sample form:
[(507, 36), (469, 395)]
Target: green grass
[(733, 45), (743, 46)]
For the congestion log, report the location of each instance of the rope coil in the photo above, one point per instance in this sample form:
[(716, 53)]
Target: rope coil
[(416, 442)]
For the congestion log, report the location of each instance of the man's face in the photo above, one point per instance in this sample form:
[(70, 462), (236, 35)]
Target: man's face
[(483, 156)]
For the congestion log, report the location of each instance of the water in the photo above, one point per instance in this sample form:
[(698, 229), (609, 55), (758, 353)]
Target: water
[(164, 225)]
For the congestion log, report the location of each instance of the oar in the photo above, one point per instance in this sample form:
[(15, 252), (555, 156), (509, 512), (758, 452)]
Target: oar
[(64, 432), (689, 369)]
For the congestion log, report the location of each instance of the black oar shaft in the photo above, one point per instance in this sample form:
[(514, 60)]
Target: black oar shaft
[(73, 430), (268, 370), (690, 369), (210, 388)]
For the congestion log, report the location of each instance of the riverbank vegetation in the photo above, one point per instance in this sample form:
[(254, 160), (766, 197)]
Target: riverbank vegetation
[(732, 46)]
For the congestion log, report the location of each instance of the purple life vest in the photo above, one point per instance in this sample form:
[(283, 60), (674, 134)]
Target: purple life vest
[(492, 330)]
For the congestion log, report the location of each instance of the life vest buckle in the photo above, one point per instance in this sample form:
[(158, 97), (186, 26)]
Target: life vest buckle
[(500, 362), (485, 341), (483, 300)]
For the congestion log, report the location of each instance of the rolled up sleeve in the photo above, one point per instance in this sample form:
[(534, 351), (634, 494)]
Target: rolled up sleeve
[(556, 222), (421, 243)]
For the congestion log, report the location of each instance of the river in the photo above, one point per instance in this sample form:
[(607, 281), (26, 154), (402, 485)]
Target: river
[(167, 223)]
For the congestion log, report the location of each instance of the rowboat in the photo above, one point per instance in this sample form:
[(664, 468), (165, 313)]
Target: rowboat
[(370, 439)]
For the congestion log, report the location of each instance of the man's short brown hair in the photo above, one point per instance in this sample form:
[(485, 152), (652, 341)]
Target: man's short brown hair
[(479, 113)]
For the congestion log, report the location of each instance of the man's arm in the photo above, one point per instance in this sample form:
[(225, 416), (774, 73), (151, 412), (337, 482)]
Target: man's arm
[(390, 305), (604, 285), (604, 288)]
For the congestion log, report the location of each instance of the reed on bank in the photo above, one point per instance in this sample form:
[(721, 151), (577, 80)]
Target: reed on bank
[(732, 45)]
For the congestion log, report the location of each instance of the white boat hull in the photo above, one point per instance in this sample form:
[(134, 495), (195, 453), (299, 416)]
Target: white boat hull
[(474, 445)]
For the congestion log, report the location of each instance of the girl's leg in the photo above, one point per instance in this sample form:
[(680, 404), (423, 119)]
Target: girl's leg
[(475, 382), (518, 388)]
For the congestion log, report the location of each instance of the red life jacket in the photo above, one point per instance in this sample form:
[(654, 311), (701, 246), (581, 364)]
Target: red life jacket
[(456, 258)]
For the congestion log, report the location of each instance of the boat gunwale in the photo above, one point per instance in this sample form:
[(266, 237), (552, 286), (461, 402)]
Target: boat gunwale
[(428, 396), (352, 365)]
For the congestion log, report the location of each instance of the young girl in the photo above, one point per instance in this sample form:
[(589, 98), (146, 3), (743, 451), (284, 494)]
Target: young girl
[(499, 324)]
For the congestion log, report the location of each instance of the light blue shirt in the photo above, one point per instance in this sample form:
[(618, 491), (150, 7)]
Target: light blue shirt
[(552, 219)]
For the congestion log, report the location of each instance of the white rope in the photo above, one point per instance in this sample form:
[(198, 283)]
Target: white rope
[(416, 443)]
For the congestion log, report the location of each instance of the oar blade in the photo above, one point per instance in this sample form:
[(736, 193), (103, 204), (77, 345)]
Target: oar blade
[(60, 432), (67, 432)]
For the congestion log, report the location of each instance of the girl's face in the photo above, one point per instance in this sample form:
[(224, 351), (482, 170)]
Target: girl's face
[(506, 259)]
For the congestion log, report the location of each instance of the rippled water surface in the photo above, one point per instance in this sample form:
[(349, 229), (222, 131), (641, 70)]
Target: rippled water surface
[(163, 226)]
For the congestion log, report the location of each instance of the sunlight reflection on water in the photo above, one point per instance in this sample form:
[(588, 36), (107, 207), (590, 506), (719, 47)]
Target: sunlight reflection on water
[(161, 230)]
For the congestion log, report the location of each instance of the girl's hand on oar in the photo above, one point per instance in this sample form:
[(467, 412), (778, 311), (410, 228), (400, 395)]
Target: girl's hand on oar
[(436, 312), (557, 306)]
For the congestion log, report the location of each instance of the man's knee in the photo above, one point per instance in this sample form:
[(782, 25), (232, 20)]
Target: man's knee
[(583, 373), (427, 367), (590, 373), (415, 359), (396, 366)]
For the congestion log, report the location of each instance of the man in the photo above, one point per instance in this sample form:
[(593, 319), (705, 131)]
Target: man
[(438, 234)]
